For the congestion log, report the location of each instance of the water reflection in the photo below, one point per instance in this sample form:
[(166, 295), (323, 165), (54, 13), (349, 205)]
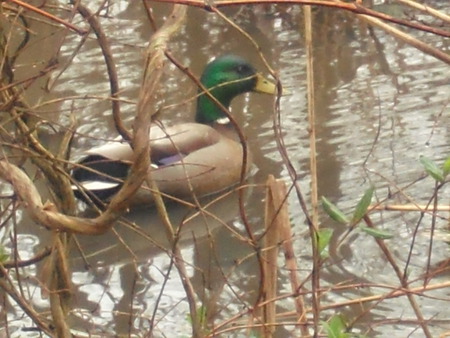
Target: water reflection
[(131, 263)]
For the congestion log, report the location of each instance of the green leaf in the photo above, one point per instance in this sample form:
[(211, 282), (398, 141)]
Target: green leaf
[(446, 167), (363, 205), (333, 211), (432, 169), (323, 239), (254, 334), (381, 234), (201, 315), (3, 255), (336, 327)]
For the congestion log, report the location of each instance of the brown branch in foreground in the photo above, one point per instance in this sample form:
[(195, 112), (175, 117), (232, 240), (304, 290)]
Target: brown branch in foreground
[(48, 16), (394, 293), (427, 9), (47, 215), (416, 43), (410, 207), (20, 264)]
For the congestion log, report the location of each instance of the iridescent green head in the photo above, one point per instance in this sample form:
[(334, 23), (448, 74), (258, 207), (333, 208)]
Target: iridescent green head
[(226, 77)]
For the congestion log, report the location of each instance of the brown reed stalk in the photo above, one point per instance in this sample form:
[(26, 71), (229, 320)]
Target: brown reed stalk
[(275, 215), (314, 226), (50, 216)]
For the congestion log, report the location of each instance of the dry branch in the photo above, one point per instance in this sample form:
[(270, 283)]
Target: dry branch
[(47, 215), (22, 263), (403, 280), (422, 46), (394, 293), (427, 9), (49, 16), (410, 207)]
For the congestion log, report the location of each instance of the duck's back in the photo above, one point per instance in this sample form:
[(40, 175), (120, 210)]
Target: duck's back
[(204, 160)]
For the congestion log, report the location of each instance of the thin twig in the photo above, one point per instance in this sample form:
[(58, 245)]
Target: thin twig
[(49, 16), (6, 284), (400, 276), (111, 67)]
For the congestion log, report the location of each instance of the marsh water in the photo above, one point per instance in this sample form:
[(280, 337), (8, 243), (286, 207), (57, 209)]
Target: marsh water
[(380, 105)]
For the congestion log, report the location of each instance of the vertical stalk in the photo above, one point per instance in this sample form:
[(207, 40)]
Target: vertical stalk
[(275, 215), (314, 228)]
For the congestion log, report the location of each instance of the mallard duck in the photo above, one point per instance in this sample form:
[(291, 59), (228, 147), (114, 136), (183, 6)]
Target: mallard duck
[(207, 152)]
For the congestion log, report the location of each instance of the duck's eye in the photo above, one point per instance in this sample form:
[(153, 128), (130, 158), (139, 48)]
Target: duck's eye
[(243, 69)]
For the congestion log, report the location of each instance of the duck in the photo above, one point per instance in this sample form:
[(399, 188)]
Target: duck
[(203, 157)]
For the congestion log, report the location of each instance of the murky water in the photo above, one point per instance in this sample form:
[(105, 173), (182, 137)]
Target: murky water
[(380, 105)]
